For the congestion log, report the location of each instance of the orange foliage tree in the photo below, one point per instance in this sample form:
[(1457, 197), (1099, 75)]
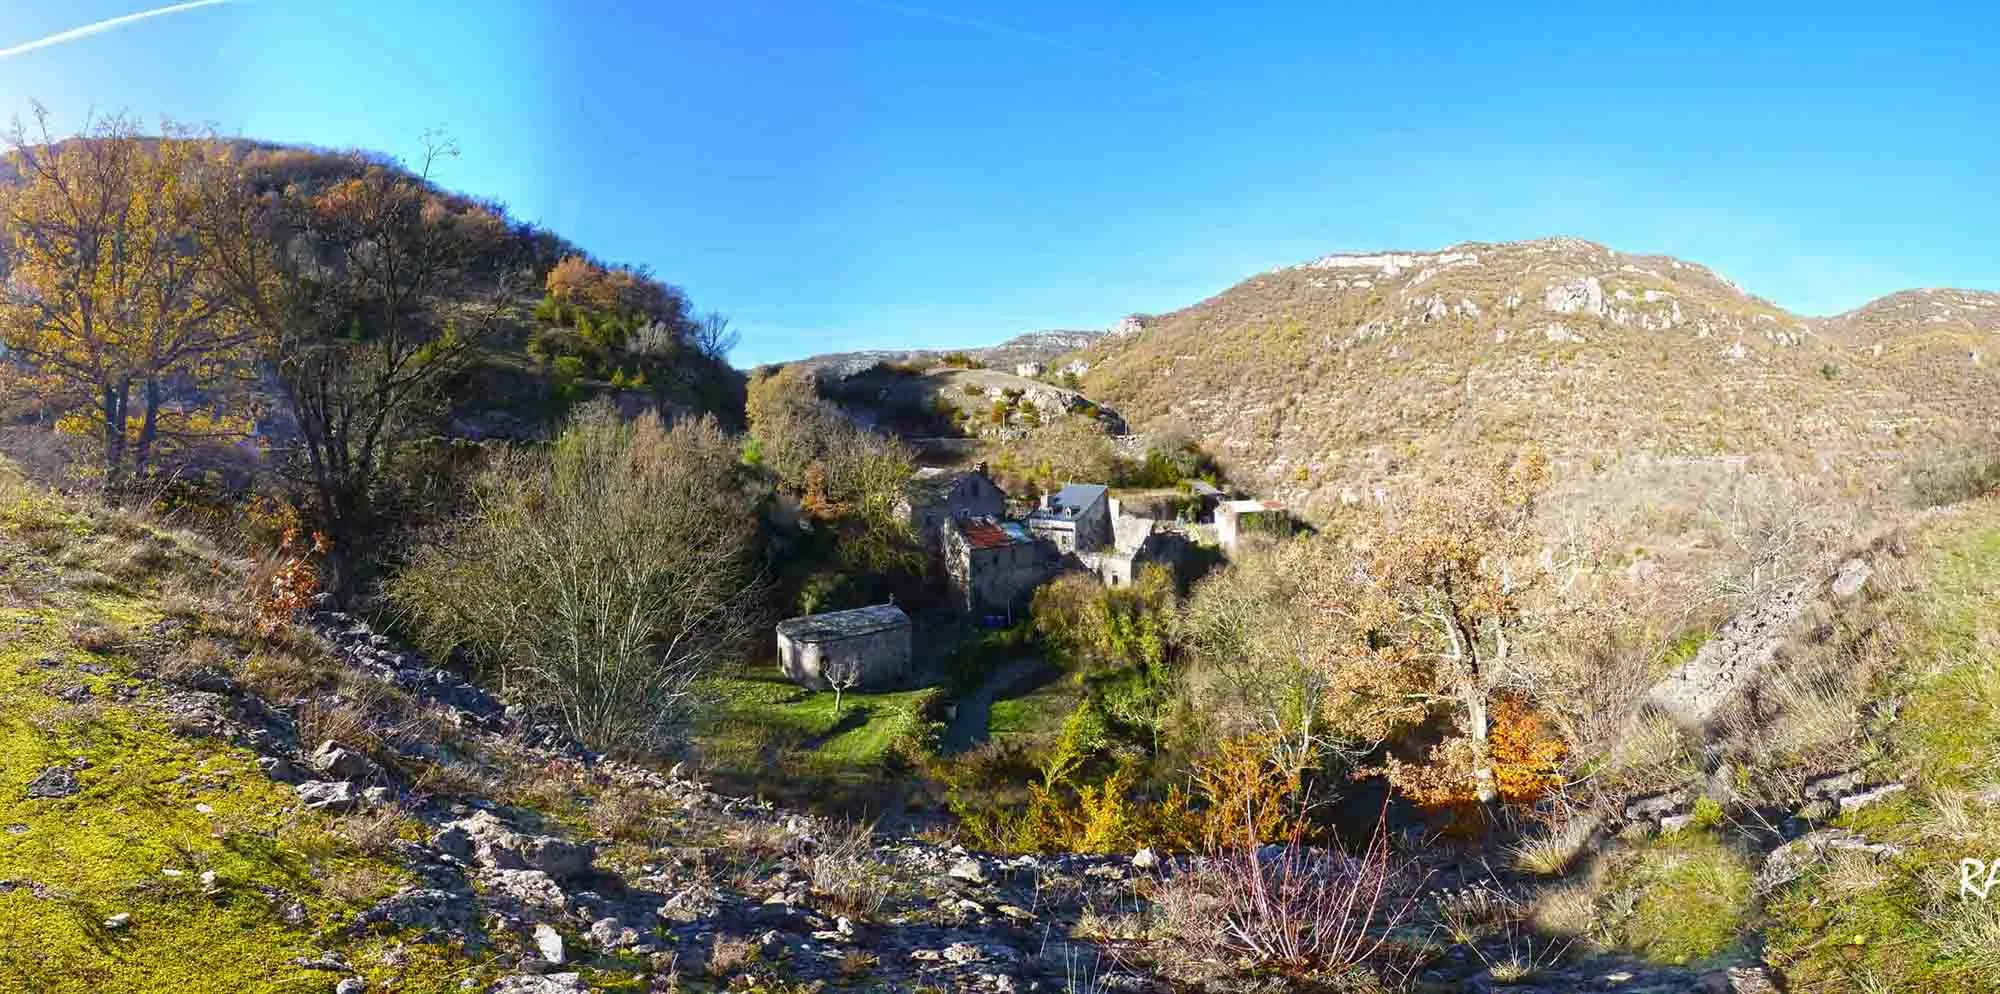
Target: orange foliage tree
[(106, 296)]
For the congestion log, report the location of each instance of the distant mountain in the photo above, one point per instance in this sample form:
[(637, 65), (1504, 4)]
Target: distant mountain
[(1034, 346), (1645, 378)]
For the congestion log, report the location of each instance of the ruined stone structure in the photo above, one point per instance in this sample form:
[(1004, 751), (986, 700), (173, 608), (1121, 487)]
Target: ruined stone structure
[(994, 566), (1075, 519), (937, 496), (872, 643), (1137, 542), (1236, 518)]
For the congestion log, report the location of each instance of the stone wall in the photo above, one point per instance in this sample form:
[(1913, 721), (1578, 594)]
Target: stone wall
[(884, 658)]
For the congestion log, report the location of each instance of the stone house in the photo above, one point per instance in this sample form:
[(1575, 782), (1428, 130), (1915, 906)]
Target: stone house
[(1235, 519), (1029, 370), (872, 643), (935, 496), (1135, 543), (1075, 519), (992, 566)]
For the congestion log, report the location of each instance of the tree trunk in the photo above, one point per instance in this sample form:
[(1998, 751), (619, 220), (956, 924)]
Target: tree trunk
[(149, 430), (115, 398), (1479, 727)]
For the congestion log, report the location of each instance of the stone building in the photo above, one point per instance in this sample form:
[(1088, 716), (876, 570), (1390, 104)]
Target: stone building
[(1029, 370), (872, 643), (1076, 518), (935, 496), (994, 566), (1235, 519), (1135, 543)]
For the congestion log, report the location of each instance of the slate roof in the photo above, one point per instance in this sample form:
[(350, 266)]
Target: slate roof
[(836, 625), (1071, 500)]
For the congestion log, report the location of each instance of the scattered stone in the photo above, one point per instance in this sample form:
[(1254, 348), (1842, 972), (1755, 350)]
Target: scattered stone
[(54, 782), (1675, 823), (530, 887), (1853, 576), (351, 985), (1146, 859), (332, 796), (119, 920), (1655, 807), (612, 934), (550, 983), (1788, 861), (968, 870), (433, 910), (209, 885), (1855, 802), (1751, 980), (1833, 787), (549, 943), (342, 763)]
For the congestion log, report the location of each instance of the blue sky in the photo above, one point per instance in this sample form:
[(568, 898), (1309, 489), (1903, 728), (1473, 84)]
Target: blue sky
[(868, 173)]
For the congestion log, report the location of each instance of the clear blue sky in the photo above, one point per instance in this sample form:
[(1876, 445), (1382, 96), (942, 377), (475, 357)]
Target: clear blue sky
[(866, 173)]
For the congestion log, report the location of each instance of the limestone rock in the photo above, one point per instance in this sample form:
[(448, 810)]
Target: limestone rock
[(54, 782), (549, 983), (325, 795), (549, 943)]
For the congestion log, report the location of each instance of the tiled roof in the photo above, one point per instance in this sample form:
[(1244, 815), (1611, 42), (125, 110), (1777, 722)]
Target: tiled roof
[(986, 533), (836, 625)]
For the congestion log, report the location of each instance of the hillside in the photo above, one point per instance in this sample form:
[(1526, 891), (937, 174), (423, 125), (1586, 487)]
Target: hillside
[(1034, 346), (1351, 375)]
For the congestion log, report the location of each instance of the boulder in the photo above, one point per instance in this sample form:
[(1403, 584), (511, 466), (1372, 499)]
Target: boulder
[(333, 796), (549, 943), (1852, 578), (54, 782), (341, 763), (426, 908), (968, 870), (530, 887), (497, 846), (548, 983)]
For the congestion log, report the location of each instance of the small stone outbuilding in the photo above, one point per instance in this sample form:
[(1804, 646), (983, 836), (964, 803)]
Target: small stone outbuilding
[(873, 641), (1235, 519)]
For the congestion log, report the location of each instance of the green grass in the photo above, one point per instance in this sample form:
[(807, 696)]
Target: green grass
[(760, 719), (1693, 898), (152, 801), (1852, 924), (1034, 715)]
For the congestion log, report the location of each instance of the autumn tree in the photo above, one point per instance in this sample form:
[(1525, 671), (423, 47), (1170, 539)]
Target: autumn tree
[(106, 294), (1440, 592), (370, 292)]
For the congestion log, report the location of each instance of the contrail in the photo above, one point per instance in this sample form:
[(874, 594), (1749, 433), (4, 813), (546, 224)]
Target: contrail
[(108, 24)]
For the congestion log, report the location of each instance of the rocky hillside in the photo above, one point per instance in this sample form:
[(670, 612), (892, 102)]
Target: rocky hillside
[(1034, 346), (1349, 376)]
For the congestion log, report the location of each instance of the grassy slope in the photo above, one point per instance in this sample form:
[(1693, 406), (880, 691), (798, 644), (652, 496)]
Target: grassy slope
[(1853, 924), (78, 591)]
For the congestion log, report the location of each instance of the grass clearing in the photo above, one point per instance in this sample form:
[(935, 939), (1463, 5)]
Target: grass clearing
[(1902, 924)]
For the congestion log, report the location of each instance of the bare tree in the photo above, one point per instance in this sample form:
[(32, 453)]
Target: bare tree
[(842, 673), (365, 292), (601, 578)]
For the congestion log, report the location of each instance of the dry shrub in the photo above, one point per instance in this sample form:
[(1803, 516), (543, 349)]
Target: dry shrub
[(1291, 906), (846, 872), (730, 955), (358, 885), (623, 814), (285, 584), (338, 719), (376, 831)]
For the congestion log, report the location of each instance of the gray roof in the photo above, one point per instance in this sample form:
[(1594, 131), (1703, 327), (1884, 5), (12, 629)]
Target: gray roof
[(1071, 500), (836, 625)]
